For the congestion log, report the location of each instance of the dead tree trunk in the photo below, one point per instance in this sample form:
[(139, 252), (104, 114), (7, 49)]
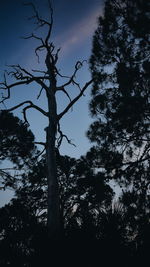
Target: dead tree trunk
[(53, 215), (53, 221), (47, 80)]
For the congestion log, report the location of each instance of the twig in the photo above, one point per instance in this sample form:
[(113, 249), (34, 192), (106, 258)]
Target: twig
[(59, 140)]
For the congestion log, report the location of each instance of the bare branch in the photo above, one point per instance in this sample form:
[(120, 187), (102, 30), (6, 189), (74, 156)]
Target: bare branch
[(7, 87), (38, 108), (40, 71), (42, 22), (62, 76), (40, 143), (31, 105), (71, 80), (25, 116), (74, 100), (65, 92), (18, 72), (39, 48), (34, 37), (24, 82), (4, 86), (41, 152), (40, 93), (60, 138), (51, 23), (56, 55)]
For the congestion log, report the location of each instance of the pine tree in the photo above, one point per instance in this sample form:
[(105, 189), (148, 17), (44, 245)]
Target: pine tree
[(120, 95)]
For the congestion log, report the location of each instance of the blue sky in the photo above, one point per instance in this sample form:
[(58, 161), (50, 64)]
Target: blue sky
[(74, 24)]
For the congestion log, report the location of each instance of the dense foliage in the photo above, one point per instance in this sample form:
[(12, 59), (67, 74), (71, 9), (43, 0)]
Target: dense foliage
[(121, 99), (17, 141)]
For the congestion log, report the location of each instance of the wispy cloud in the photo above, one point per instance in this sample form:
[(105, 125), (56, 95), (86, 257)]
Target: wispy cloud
[(79, 32), (69, 40)]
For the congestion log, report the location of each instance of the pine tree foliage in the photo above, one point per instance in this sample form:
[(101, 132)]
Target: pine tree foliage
[(17, 141), (120, 95), (120, 106)]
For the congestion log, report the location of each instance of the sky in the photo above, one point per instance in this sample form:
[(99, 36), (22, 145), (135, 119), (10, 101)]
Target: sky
[(74, 24)]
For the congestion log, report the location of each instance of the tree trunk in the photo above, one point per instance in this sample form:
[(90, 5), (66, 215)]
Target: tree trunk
[(53, 220)]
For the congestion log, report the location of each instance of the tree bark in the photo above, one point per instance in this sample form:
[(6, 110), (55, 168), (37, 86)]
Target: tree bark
[(53, 220)]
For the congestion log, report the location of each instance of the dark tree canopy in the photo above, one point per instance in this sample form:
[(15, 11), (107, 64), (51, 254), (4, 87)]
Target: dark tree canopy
[(120, 105), (82, 194), (17, 149), (120, 95), (17, 141)]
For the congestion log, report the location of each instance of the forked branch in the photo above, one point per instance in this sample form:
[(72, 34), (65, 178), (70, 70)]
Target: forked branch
[(31, 105), (23, 77), (40, 22), (62, 136), (74, 100), (71, 80)]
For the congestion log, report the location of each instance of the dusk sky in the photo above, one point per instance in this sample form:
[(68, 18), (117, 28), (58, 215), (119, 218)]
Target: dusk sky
[(74, 24)]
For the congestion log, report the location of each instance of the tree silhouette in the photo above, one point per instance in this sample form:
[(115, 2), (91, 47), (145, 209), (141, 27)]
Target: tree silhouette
[(47, 80), (120, 94), (137, 212), (17, 147), (23, 220), (18, 231), (81, 192), (120, 106), (91, 223)]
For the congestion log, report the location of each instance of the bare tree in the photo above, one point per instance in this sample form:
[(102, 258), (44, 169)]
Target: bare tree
[(47, 80)]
